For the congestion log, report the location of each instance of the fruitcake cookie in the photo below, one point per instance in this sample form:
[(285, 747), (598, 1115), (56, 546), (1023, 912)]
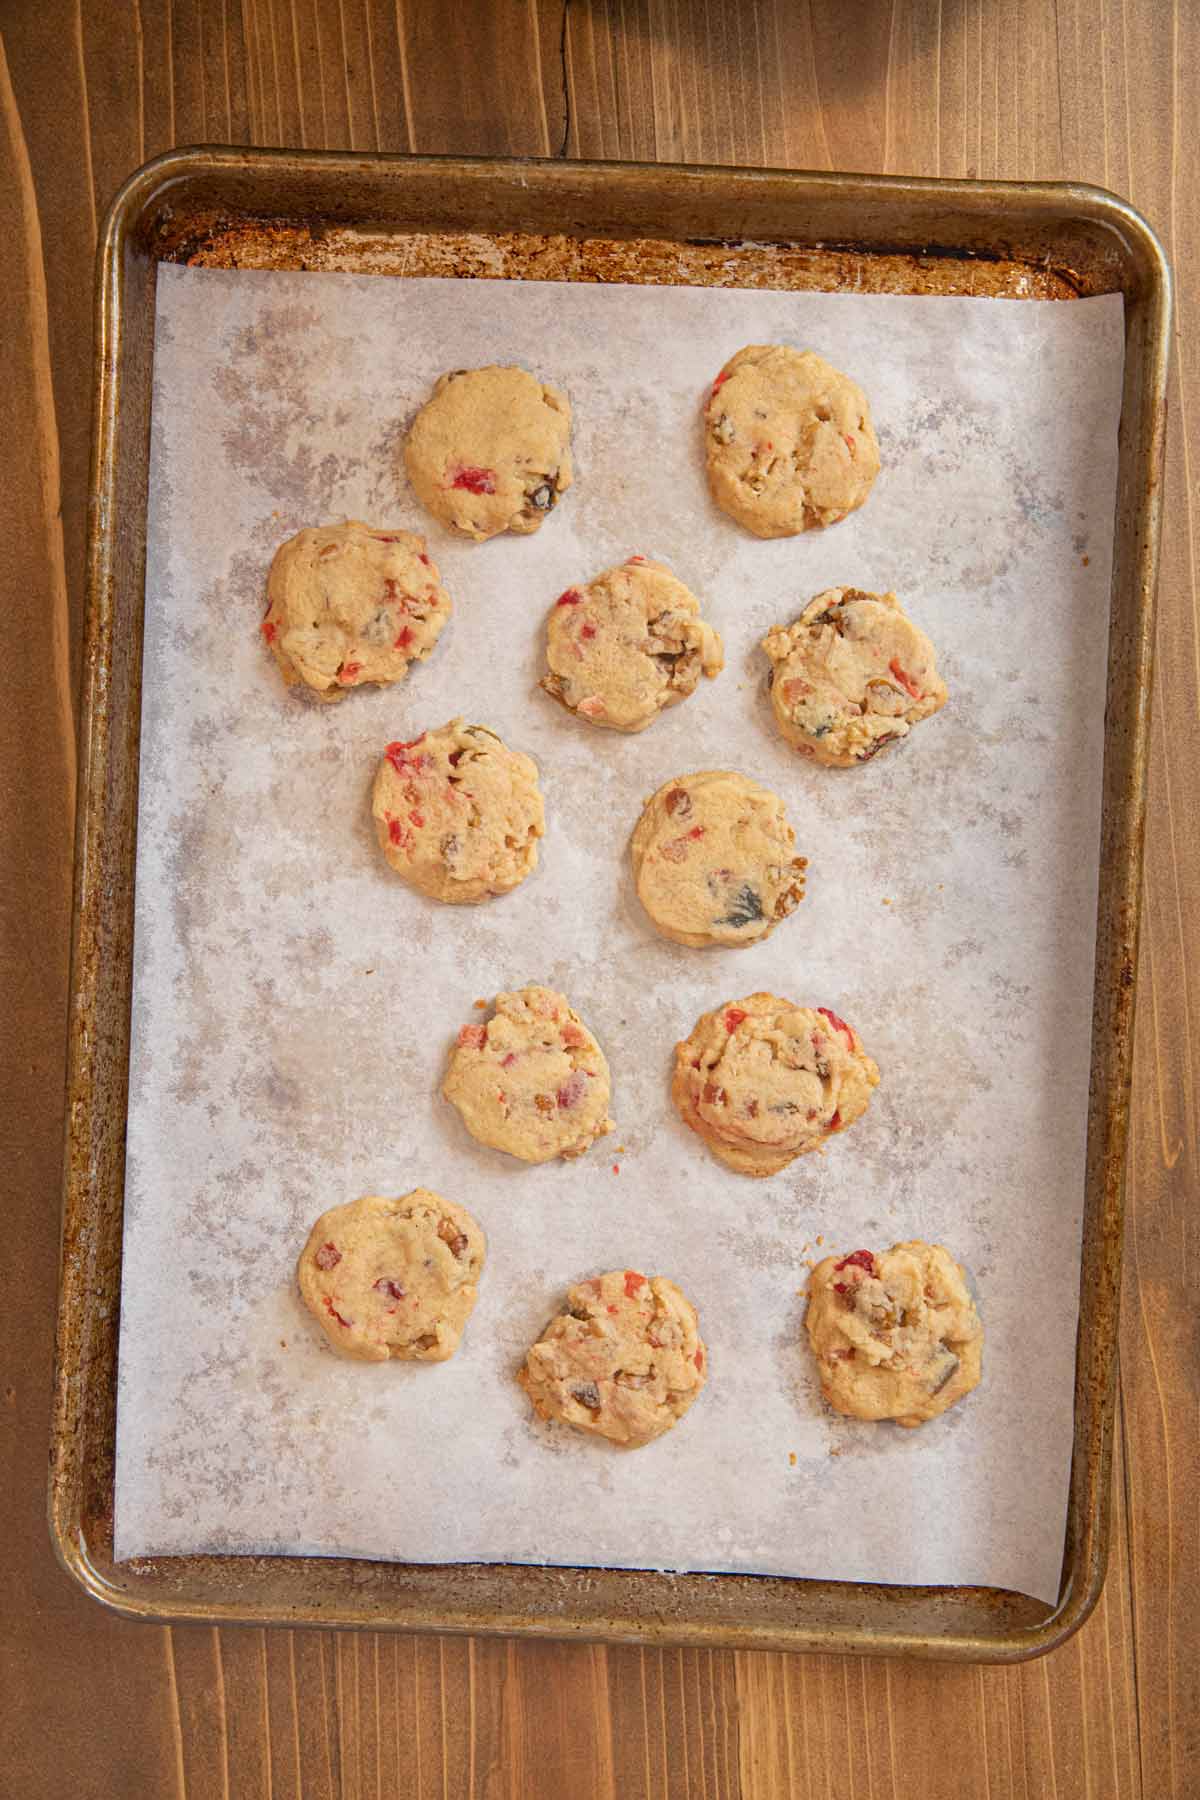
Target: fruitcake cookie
[(762, 1080), (532, 1080), (850, 676), (348, 605), (712, 859), (624, 1361), (627, 645), (790, 441), (488, 452), (896, 1336), (458, 814), (393, 1277)]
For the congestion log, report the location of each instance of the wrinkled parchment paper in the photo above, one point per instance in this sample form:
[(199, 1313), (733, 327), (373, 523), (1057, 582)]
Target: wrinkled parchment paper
[(294, 1002)]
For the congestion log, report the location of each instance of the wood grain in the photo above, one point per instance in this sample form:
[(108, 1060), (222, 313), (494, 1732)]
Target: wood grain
[(1099, 90)]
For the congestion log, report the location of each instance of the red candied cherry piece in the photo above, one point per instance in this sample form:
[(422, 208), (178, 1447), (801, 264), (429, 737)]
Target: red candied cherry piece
[(572, 1090), (733, 1018), (572, 1036), (857, 1259), (850, 445), (404, 640), (633, 1281), (572, 597), (904, 678), (698, 1359), (389, 1287), (270, 630), (588, 630), (838, 1024), (328, 1256), (472, 1037), (475, 481), (397, 834), (348, 671), (719, 383), (401, 761), (333, 1311)]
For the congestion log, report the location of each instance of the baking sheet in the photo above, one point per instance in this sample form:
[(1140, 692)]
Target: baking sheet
[(294, 1002)]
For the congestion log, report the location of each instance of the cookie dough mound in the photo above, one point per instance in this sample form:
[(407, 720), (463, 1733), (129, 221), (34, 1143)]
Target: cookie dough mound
[(624, 1361), (712, 859), (349, 604), (627, 645), (389, 1278), (489, 451), (896, 1336), (789, 440), (458, 814), (532, 1080), (850, 676), (762, 1080)]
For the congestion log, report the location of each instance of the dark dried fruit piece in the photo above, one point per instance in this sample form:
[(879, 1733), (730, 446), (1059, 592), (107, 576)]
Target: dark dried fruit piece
[(744, 909), (389, 1287), (587, 1394), (678, 800), (328, 1256)]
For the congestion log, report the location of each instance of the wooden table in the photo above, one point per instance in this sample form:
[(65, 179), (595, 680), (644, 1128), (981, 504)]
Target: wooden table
[(1100, 90)]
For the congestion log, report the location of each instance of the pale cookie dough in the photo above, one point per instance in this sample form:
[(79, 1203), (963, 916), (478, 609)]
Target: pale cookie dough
[(762, 1080), (789, 440), (850, 676), (712, 859), (458, 814), (532, 1080), (624, 1361), (348, 605), (628, 644), (896, 1336), (489, 451), (389, 1278)]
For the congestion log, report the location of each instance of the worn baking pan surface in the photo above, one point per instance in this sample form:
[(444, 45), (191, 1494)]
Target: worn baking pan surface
[(1082, 243)]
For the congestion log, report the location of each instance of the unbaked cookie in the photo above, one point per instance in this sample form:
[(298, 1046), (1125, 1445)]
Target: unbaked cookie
[(789, 439), (393, 1277), (627, 645), (896, 1336), (762, 1080), (850, 676), (348, 605), (489, 451), (712, 859), (532, 1080), (624, 1361), (458, 814)]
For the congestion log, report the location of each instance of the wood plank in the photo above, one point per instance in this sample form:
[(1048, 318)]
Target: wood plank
[(1104, 90)]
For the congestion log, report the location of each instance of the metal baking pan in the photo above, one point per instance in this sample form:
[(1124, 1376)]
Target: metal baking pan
[(577, 222)]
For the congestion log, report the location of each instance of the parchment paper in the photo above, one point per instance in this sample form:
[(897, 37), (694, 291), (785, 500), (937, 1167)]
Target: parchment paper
[(294, 1002)]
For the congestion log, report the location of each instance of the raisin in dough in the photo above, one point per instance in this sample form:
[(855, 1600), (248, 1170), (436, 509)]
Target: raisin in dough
[(762, 1080), (850, 676), (624, 1361), (489, 451), (532, 1080), (712, 859), (789, 439), (393, 1277), (627, 645), (348, 605), (458, 814), (896, 1336)]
